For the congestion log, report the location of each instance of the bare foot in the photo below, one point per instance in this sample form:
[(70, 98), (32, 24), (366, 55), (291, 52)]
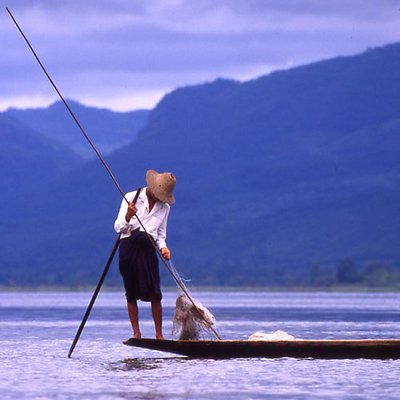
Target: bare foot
[(159, 337), (137, 335)]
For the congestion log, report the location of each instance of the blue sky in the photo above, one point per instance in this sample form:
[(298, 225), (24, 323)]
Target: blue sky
[(126, 54)]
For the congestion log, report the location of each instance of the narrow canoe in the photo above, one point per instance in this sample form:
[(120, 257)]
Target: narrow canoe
[(326, 349)]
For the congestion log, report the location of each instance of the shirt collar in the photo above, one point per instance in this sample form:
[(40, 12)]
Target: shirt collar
[(143, 197)]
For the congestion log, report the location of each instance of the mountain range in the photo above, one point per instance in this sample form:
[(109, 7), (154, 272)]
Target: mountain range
[(109, 130), (293, 169)]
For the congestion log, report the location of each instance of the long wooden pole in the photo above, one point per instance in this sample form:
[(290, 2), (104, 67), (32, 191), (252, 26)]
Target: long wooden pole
[(94, 296)]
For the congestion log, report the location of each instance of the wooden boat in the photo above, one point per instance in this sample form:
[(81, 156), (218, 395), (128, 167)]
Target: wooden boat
[(325, 349)]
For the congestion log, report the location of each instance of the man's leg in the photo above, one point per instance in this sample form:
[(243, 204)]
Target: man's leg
[(134, 317), (156, 310)]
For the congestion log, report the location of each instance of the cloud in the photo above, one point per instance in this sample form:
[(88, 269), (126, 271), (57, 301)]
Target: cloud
[(116, 53)]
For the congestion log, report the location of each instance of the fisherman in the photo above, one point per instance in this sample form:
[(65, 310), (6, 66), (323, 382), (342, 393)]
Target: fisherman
[(138, 263)]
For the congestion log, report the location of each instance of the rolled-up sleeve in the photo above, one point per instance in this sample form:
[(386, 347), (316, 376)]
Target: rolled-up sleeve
[(120, 224), (162, 230)]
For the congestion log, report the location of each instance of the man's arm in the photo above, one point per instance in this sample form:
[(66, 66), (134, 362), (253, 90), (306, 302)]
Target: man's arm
[(162, 236), (122, 223)]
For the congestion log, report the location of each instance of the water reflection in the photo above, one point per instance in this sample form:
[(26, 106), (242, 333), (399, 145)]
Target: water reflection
[(139, 396), (141, 364)]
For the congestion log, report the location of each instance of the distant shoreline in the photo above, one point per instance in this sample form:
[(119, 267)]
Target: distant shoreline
[(89, 288)]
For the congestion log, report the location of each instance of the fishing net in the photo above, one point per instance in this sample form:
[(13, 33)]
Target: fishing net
[(275, 336), (192, 320)]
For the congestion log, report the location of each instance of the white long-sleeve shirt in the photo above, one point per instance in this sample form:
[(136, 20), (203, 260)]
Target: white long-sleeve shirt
[(154, 221)]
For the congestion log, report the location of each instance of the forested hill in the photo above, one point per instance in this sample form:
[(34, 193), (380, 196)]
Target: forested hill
[(279, 179), (26, 157), (109, 130)]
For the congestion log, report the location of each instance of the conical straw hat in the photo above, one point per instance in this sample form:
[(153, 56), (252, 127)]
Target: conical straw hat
[(162, 185)]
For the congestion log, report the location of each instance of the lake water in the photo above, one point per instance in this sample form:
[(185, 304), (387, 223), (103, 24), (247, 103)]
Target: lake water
[(37, 329)]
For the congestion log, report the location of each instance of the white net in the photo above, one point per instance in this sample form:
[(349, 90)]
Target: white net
[(275, 336), (191, 321)]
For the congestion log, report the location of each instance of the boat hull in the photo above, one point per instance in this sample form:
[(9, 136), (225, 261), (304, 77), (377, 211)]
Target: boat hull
[(326, 349)]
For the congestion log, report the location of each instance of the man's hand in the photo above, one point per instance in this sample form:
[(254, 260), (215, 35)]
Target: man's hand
[(166, 253), (130, 212)]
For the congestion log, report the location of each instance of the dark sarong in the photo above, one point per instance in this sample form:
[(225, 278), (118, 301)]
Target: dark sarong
[(138, 265)]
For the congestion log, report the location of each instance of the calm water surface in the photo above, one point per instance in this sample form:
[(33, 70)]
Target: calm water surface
[(36, 331)]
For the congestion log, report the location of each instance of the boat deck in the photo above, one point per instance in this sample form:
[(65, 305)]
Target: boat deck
[(327, 349)]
